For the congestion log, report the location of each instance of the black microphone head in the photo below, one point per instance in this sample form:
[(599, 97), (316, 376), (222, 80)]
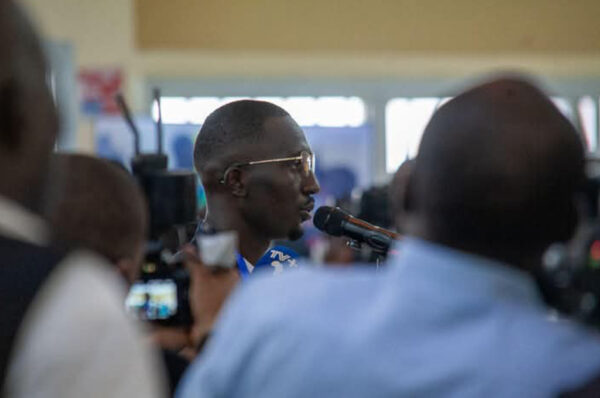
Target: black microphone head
[(329, 220), (321, 216)]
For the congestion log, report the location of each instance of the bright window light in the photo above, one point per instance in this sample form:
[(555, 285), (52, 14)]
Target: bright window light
[(302, 110), (442, 101), (175, 110), (589, 122), (200, 107), (307, 111), (279, 101), (405, 121), (564, 106), (226, 100), (340, 111)]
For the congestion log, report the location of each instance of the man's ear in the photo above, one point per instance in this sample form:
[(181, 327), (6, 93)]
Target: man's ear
[(235, 182)]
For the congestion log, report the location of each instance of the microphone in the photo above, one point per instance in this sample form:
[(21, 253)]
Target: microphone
[(277, 258), (337, 222)]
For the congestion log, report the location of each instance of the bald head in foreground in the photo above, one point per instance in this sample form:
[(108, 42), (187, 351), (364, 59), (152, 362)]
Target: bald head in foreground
[(497, 173), (457, 313)]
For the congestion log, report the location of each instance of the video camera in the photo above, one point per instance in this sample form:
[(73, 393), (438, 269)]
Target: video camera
[(161, 293), (570, 276)]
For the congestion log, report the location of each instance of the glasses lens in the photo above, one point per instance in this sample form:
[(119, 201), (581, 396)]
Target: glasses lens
[(308, 162)]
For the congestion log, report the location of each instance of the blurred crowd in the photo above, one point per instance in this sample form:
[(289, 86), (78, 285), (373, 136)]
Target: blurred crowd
[(459, 306)]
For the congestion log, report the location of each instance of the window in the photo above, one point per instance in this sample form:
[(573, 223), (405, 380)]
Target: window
[(588, 116), (307, 111), (582, 112), (406, 118)]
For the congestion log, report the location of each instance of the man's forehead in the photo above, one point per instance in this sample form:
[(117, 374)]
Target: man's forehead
[(280, 137), (283, 134)]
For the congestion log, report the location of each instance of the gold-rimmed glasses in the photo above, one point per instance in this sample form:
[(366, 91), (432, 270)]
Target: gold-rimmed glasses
[(307, 161)]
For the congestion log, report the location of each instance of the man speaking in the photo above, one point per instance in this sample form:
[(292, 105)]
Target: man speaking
[(257, 170), (258, 173)]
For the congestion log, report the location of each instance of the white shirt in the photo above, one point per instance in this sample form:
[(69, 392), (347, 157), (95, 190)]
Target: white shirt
[(75, 340)]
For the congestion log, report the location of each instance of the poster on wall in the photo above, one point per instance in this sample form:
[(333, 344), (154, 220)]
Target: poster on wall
[(98, 88), (114, 140)]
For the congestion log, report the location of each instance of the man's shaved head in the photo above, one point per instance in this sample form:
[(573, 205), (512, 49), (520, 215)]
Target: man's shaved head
[(499, 165), (229, 126)]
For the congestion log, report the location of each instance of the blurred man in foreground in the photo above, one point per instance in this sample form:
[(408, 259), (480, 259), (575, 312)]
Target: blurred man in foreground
[(63, 332), (457, 313), (99, 207)]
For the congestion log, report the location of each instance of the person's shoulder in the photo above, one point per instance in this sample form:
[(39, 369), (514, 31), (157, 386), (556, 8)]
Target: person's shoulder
[(320, 279), (310, 292), (82, 300), (560, 351), (559, 332), (83, 278), (578, 339), (82, 293), (76, 323), (271, 318)]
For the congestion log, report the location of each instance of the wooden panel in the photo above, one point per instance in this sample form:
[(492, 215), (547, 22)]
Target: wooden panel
[(473, 26)]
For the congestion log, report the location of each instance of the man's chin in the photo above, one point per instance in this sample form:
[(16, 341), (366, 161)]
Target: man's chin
[(296, 233)]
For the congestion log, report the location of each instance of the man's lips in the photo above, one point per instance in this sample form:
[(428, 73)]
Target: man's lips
[(305, 211)]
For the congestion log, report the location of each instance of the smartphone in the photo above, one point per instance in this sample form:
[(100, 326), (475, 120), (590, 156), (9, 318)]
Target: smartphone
[(153, 300), (161, 297)]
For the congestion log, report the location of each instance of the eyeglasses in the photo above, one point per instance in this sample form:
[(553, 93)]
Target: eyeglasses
[(307, 161)]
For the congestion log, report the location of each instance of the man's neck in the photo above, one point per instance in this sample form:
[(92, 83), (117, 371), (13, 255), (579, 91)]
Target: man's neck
[(519, 256), (251, 245)]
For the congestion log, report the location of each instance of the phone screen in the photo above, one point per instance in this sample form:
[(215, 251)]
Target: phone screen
[(154, 299)]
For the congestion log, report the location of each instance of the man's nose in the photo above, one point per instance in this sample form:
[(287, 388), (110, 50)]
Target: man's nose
[(310, 184)]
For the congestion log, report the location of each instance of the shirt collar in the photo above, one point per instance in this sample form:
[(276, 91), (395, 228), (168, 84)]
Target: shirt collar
[(17, 222), (452, 269), (249, 265)]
